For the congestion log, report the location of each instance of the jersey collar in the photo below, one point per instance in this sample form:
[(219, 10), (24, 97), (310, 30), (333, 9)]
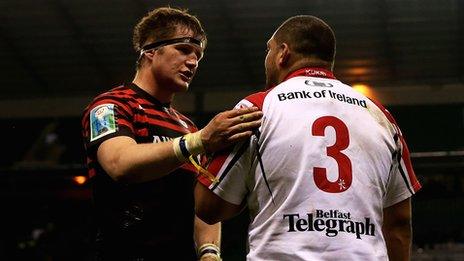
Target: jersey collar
[(311, 72), (147, 96)]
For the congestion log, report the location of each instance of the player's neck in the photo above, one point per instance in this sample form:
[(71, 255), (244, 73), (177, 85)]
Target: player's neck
[(149, 85), (285, 71), (311, 63)]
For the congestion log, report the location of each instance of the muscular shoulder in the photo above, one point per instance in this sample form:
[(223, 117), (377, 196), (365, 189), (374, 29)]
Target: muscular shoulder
[(255, 99), (120, 93)]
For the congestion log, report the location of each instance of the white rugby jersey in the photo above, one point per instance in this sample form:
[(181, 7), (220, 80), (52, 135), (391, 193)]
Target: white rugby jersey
[(332, 160)]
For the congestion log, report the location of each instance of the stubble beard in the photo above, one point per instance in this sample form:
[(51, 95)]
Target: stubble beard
[(271, 80)]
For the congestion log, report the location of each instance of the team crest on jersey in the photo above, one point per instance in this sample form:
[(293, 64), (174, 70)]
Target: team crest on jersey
[(102, 121)]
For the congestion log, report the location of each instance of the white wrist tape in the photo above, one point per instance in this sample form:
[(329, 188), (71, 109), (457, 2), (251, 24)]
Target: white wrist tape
[(178, 151), (209, 250), (188, 145), (194, 143)]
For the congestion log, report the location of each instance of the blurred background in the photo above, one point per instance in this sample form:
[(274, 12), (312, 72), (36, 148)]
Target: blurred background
[(55, 55)]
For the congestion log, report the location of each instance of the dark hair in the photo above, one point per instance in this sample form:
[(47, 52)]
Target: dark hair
[(162, 23), (309, 36)]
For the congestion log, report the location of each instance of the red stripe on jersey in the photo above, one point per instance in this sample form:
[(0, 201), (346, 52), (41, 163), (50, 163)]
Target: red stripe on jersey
[(385, 111), (119, 88), (191, 126), (258, 98), (407, 162), (91, 173), (85, 130), (215, 166), (183, 117), (115, 102), (189, 167), (167, 116), (125, 123), (157, 112), (168, 125), (405, 151), (142, 132)]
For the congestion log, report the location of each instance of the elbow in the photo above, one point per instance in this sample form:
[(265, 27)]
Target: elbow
[(398, 236), (115, 169), (206, 207), (117, 157), (207, 218), (116, 174), (119, 177)]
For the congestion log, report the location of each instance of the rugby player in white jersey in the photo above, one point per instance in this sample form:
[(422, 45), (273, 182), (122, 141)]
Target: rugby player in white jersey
[(328, 174)]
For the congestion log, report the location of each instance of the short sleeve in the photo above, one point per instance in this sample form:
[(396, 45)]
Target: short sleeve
[(231, 168), (104, 119), (402, 181)]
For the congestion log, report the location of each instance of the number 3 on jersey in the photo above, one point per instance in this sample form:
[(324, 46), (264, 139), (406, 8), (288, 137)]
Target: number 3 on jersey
[(335, 151)]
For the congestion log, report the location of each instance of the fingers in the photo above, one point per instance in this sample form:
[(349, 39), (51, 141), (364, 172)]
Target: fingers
[(241, 136), (245, 127), (229, 127), (245, 120), (247, 117), (237, 112)]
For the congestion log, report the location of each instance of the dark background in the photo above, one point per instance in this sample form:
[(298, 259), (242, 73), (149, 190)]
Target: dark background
[(56, 54)]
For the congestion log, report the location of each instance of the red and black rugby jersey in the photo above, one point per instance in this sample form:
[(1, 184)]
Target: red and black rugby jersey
[(139, 219), (130, 111)]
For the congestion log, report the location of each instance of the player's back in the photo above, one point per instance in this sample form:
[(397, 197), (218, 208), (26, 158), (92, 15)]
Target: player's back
[(327, 153)]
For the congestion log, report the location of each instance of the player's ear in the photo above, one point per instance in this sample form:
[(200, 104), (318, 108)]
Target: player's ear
[(147, 58), (284, 54), (149, 55)]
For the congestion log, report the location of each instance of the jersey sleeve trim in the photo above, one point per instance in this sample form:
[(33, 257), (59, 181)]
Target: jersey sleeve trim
[(397, 199), (413, 188), (221, 164), (123, 131), (228, 167), (406, 161)]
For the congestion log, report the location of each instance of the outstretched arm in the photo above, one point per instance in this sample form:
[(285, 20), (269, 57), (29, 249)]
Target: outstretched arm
[(205, 234), (125, 160)]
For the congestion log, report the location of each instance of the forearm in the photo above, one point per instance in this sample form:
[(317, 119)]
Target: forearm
[(397, 230), (205, 234), (211, 208), (398, 241), (127, 161), (144, 162)]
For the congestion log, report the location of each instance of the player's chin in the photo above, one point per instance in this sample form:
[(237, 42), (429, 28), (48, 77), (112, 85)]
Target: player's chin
[(185, 80), (181, 86)]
